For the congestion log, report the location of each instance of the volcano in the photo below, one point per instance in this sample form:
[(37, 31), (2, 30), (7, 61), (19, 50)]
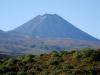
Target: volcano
[(43, 34), (52, 26)]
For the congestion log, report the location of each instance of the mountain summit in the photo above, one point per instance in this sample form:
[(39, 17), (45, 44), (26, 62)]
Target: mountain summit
[(52, 26)]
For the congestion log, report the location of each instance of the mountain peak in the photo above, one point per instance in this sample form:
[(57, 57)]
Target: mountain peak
[(46, 14), (52, 26)]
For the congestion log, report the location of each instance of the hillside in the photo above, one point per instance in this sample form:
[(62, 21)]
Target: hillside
[(15, 44), (77, 62)]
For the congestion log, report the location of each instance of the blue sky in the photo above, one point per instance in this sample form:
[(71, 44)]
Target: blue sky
[(84, 14)]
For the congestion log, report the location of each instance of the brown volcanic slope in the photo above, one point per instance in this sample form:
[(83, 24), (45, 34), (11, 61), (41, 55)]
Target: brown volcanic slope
[(18, 43)]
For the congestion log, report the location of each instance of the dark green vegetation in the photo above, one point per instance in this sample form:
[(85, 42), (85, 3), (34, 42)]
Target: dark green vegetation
[(77, 62)]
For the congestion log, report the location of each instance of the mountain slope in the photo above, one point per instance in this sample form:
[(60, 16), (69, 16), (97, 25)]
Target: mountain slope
[(52, 26), (43, 34)]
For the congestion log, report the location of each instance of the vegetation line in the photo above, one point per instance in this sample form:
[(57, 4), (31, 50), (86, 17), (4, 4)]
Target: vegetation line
[(77, 62)]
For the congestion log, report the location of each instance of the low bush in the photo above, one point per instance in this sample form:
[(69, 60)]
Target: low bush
[(81, 62)]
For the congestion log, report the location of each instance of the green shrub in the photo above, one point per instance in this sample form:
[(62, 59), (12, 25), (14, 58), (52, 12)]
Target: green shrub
[(21, 73), (10, 62), (62, 53), (53, 61), (66, 66), (10, 73), (92, 71), (77, 55), (78, 72), (3, 69), (54, 53), (86, 52), (45, 72), (96, 55), (28, 58)]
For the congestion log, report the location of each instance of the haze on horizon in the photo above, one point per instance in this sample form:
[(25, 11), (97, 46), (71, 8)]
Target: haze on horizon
[(83, 14)]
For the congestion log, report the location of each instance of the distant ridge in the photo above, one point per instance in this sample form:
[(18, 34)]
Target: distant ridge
[(52, 26)]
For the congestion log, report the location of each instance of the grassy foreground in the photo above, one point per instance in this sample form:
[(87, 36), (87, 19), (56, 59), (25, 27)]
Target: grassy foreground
[(77, 62)]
